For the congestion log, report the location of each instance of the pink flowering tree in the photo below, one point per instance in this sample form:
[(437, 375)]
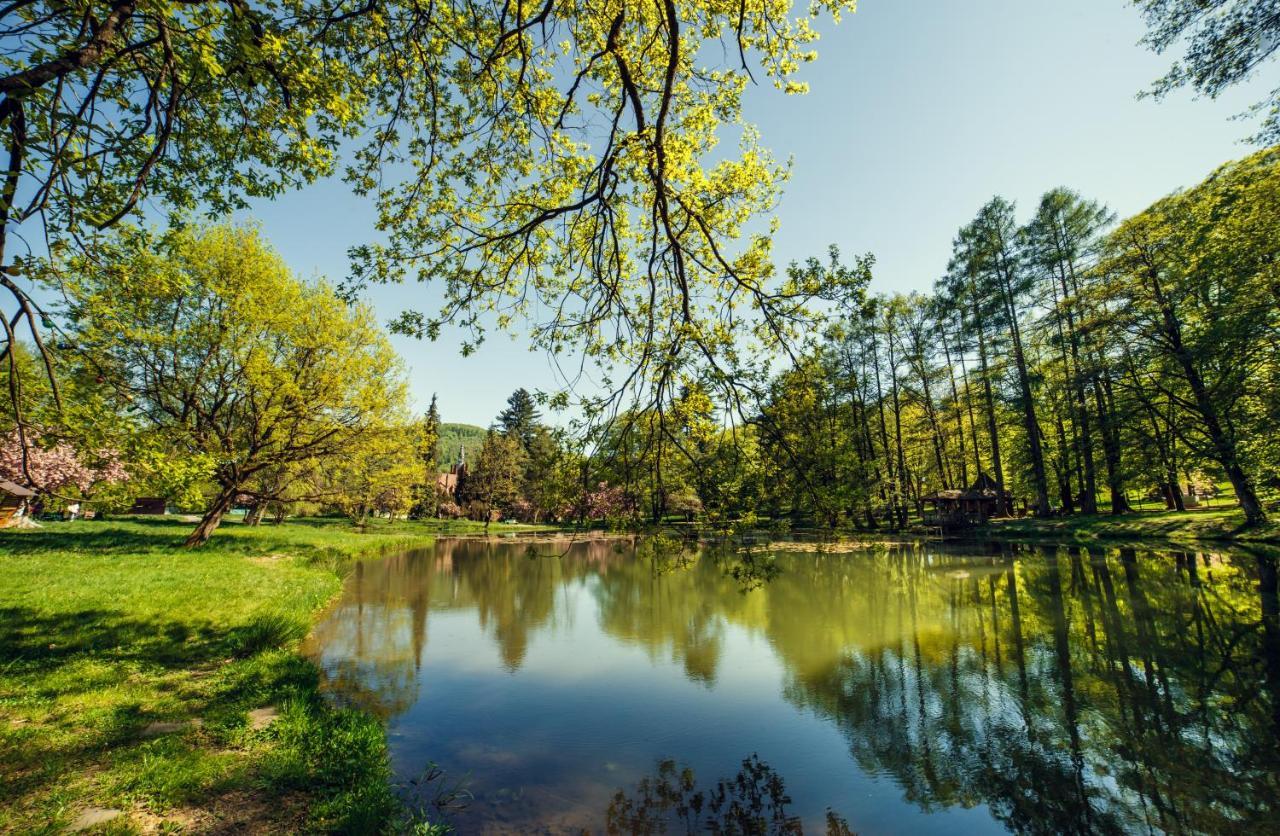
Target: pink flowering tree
[(57, 467), (521, 509), (606, 503)]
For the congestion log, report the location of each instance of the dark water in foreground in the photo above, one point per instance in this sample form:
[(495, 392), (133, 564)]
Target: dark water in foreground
[(914, 689)]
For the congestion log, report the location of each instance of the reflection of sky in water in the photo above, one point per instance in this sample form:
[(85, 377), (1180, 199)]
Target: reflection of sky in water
[(586, 715), (893, 689)]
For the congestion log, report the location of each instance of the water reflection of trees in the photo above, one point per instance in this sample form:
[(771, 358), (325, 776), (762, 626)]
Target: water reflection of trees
[(1075, 692), (1068, 690), (752, 803), (370, 646)]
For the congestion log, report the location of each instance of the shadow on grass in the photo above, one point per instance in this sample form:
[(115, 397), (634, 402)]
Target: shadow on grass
[(31, 639), (103, 538), (81, 683), (165, 536), (66, 658)]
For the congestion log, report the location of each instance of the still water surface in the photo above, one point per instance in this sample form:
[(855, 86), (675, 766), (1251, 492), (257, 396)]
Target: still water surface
[(906, 689)]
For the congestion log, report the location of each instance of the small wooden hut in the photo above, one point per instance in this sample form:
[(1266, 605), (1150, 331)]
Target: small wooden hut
[(973, 506), (13, 502), (153, 505)]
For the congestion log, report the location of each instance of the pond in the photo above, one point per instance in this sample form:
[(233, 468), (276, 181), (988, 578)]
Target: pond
[(923, 688)]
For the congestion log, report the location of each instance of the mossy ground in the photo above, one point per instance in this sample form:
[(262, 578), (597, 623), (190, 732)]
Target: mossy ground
[(129, 666)]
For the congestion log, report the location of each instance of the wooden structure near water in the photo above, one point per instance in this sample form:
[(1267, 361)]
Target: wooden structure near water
[(966, 508)]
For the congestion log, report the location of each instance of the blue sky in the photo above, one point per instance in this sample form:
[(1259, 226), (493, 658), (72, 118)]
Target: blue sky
[(918, 112)]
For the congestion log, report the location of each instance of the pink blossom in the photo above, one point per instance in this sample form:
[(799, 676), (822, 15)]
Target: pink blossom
[(606, 502), (57, 466)]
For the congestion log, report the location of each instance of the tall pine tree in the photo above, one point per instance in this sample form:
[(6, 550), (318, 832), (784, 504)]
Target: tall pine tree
[(520, 418)]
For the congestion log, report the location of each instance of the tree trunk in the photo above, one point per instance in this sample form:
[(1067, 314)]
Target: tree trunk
[(979, 326), (1163, 435), (955, 400), (1071, 458), (1089, 496), (939, 444), (1225, 452), (1084, 432), (884, 442), (1110, 452), (1221, 439), (973, 421), (993, 428), (1063, 468), (870, 447), (897, 431), (1032, 427), (1170, 452), (209, 522), (1029, 422)]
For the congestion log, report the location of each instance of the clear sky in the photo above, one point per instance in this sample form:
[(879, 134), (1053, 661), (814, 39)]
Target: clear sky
[(919, 111)]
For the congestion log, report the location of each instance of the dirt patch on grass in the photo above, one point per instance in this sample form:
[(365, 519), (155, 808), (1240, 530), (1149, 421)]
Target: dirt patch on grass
[(241, 811)]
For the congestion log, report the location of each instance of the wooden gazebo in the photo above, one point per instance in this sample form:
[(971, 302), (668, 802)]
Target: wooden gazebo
[(13, 498), (972, 506)]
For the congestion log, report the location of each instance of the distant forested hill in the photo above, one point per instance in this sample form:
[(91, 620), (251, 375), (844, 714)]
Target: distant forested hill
[(452, 437)]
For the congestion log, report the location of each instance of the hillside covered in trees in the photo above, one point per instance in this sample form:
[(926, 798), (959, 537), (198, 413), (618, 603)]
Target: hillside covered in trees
[(453, 437)]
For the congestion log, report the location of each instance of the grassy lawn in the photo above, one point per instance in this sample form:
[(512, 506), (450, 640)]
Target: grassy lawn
[(129, 668), (1210, 524)]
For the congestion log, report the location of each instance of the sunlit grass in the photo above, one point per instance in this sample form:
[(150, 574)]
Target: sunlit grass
[(1204, 524), (108, 628)]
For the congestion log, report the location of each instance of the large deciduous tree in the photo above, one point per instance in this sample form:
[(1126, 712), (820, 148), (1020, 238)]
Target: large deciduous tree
[(546, 159), (375, 475), (216, 344)]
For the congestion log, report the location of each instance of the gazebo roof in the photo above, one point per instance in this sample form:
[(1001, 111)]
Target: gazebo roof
[(14, 489), (984, 487), (984, 484)]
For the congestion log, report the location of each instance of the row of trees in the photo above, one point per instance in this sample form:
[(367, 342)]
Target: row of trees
[(1072, 359), (193, 366), (527, 471), (555, 163)]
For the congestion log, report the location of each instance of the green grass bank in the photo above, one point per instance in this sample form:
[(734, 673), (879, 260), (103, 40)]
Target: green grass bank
[(1210, 525), (139, 677)]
